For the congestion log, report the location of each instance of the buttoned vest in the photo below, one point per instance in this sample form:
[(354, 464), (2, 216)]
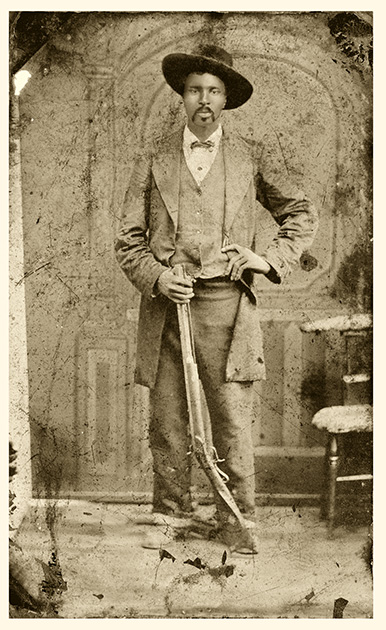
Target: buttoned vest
[(200, 221)]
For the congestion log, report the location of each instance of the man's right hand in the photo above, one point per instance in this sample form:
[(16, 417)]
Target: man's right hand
[(177, 289)]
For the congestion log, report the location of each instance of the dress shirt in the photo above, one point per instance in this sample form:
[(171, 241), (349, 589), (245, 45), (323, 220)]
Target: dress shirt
[(200, 159)]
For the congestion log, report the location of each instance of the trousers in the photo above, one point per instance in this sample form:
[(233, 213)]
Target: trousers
[(230, 404)]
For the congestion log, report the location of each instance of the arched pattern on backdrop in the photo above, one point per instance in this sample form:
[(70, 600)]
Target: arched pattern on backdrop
[(96, 99)]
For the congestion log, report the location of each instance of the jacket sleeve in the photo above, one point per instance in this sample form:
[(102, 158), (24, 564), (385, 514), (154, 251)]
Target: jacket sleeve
[(131, 244), (292, 210)]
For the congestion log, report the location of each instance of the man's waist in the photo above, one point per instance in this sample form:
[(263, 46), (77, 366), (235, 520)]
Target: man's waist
[(218, 288), (204, 279), (201, 266)]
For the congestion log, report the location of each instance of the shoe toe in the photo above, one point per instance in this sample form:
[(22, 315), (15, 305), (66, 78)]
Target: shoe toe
[(239, 541), (245, 550), (156, 539)]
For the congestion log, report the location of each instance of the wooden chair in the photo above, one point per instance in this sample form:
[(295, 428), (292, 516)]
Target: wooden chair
[(348, 417)]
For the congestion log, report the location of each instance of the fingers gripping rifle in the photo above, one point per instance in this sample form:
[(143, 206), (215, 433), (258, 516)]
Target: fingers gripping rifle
[(199, 421)]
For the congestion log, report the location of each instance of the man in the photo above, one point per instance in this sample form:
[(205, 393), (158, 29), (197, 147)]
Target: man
[(193, 203)]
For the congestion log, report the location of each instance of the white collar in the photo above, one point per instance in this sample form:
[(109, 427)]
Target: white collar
[(190, 137)]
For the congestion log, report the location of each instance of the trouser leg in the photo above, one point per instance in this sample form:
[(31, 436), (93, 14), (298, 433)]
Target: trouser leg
[(230, 404), (168, 431), (230, 412)]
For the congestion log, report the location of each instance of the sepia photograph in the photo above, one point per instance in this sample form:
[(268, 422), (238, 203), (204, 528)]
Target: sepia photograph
[(190, 314)]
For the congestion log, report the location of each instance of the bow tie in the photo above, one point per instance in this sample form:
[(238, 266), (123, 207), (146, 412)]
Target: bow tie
[(209, 144)]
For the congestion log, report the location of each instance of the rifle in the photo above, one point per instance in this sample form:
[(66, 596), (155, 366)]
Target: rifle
[(200, 429)]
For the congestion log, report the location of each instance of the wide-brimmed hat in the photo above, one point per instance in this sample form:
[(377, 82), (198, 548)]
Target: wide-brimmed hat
[(214, 60)]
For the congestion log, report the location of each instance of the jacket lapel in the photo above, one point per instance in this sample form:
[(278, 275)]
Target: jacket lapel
[(166, 171), (238, 177)]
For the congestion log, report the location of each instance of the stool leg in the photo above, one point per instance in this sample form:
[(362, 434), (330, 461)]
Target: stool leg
[(326, 481), (333, 472)]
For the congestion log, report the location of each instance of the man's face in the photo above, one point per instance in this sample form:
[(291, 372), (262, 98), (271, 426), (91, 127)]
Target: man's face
[(204, 99)]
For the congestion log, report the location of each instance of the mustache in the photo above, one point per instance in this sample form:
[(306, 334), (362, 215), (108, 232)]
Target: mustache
[(203, 110)]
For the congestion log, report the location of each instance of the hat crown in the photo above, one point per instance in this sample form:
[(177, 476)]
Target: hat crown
[(214, 52)]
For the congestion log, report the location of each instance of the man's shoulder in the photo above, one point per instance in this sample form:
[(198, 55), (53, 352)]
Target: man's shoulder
[(252, 142), (239, 143)]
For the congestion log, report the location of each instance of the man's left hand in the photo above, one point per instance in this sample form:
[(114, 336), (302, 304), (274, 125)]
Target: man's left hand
[(242, 258)]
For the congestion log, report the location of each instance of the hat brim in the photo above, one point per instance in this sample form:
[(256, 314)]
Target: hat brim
[(177, 66)]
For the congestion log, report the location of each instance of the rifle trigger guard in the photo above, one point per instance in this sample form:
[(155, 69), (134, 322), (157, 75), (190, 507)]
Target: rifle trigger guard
[(216, 458), (221, 472)]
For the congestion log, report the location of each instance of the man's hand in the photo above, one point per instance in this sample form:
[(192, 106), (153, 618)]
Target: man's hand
[(177, 289), (242, 258)]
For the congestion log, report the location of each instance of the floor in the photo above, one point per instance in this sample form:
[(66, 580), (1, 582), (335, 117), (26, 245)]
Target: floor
[(101, 571)]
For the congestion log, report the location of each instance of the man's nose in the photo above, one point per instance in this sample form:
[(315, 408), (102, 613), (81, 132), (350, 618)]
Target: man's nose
[(204, 97)]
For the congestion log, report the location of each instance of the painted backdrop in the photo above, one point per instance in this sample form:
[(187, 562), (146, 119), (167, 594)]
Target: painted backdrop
[(95, 98)]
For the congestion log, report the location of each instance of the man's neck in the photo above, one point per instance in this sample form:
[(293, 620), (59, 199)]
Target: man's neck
[(203, 133)]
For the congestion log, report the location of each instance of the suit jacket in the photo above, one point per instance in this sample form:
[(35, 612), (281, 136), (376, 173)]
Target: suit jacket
[(146, 241)]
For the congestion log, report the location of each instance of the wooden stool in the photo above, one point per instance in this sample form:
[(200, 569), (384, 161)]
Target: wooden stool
[(337, 420), (355, 381)]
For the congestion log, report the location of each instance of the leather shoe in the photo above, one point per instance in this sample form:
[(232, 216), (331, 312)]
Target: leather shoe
[(239, 540)]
